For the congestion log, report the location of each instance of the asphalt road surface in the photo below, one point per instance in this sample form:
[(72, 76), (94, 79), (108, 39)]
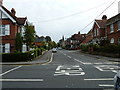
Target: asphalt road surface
[(66, 69)]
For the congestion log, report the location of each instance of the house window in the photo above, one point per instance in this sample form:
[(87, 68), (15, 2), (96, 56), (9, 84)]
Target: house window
[(118, 25), (112, 40), (22, 31), (4, 30), (111, 28), (97, 31), (24, 48), (94, 32), (5, 48), (119, 40)]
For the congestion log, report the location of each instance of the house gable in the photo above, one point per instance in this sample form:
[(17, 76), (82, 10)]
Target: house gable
[(6, 15)]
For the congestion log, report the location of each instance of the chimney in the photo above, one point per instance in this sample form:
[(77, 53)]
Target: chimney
[(1, 2), (78, 32), (104, 17), (13, 11), (119, 7)]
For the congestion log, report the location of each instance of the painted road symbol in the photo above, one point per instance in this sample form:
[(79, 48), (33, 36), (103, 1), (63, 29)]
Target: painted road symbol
[(69, 70)]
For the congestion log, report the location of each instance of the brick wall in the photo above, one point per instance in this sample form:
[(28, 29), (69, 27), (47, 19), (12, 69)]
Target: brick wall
[(10, 38), (115, 34)]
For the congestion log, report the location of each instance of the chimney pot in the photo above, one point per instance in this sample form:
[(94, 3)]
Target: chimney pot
[(104, 17), (13, 11), (1, 2)]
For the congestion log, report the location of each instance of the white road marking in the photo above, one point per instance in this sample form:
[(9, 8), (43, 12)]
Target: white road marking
[(51, 59), (78, 61), (58, 68), (10, 70), (22, 80), (87, 63), (69, 70), (65, 54), (100, 79), (69, 56), (115, 71), (106, 85), (112, 68)]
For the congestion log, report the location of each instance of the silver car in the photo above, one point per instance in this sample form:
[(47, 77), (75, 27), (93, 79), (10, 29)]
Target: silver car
[(54, 50)]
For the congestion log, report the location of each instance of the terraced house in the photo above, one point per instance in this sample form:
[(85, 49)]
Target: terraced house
[(10, 25)]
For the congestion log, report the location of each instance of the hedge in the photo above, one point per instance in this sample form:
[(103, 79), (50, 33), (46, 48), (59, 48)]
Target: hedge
[(108, 49), (18, 57)]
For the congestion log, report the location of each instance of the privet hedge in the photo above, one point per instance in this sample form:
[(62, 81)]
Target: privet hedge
[(18, 57), (109, 49)]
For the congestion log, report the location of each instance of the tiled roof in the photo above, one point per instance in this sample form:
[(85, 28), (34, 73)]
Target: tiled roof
[(113, 19), (101, 23), (20, 21)]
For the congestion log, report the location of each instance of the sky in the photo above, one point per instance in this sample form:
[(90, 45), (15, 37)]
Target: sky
[(58, 18)]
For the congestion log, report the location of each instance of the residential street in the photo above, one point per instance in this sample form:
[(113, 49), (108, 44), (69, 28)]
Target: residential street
[(66, 69)]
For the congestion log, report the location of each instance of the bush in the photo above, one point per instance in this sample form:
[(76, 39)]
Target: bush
[(36, 52), (16, 57), (84, 48), (111, 48)]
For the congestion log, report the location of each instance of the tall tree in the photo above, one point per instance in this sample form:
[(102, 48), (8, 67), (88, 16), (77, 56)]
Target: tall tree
[(29, 36), (18, 42), (48, 38)]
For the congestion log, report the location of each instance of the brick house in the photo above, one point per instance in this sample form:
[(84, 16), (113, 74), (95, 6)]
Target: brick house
[(74, 41), (88, 38), (113, 29), (98, 30), (39, 41), (10, 26)]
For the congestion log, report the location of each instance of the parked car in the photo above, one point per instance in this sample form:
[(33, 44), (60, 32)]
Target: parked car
[(117, 81), (59, 48), (54, 50)]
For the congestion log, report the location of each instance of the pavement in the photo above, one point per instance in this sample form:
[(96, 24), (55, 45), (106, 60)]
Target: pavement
[(46, 56), (42, 59)]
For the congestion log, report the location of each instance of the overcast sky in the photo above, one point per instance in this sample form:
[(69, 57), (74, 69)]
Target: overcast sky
[(56, 18)]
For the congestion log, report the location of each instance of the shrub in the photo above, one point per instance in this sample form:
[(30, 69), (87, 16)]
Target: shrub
[(84, 48), (111, 48), (16, 57)]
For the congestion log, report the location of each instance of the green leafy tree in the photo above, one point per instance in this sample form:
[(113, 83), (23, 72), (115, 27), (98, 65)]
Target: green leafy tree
[(54, 45), (29, 36), (48, 38), (18, 43)]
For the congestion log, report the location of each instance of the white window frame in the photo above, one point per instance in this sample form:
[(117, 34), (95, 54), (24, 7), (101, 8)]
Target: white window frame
[(118, 25), (22, 31), (1, 49), (119, 40), (4, 30), (94, 32), (5, 48), (24, 48), (7, 29), (112, 40), (111, 28), (97, 31)]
